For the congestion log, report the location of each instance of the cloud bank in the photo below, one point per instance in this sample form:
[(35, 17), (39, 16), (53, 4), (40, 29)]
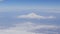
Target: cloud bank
[(31, 28), (33, 15)]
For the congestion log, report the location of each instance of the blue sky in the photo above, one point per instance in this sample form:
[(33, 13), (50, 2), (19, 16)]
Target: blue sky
[(29, 16), (30, 4)]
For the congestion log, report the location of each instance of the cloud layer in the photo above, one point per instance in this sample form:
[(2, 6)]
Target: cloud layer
[(33, 15), (31, 28)]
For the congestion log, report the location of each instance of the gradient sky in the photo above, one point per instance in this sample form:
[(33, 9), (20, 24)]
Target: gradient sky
[(29, 4)]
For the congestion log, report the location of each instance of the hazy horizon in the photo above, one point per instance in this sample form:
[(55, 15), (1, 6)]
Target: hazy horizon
[(29, 16)]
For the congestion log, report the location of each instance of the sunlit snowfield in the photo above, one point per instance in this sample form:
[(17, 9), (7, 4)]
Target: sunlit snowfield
[(29, 16)]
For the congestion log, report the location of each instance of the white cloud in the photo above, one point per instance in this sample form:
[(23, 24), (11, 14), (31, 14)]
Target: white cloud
[(33, 15), (28, 28)]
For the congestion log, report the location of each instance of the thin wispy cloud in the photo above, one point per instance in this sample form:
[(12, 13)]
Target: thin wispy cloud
[(33, 15)]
